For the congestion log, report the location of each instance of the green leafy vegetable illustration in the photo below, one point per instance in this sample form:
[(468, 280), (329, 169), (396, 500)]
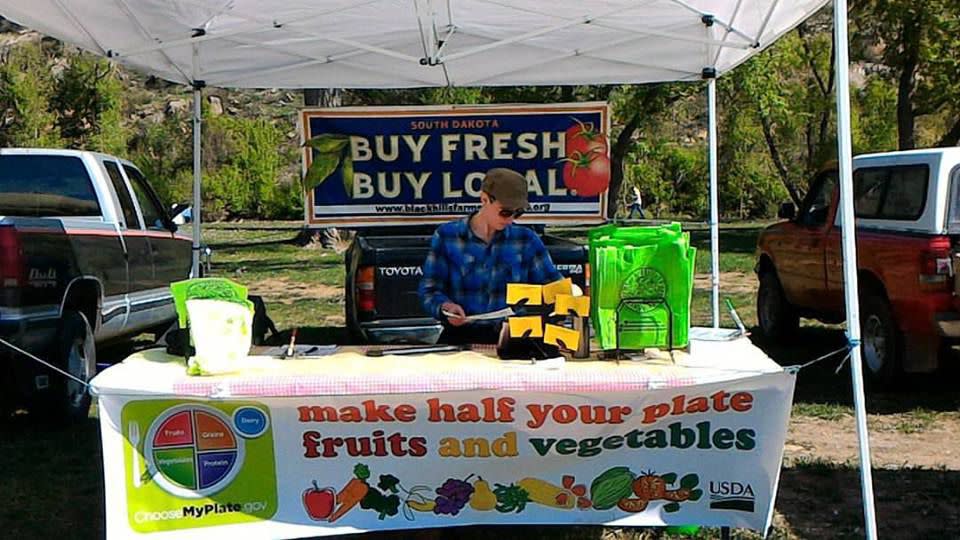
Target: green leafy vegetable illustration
[(511, 498), (328, 143), (348, 174), (329, 150)]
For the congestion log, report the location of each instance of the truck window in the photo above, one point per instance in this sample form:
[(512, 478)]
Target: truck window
[(816, 205), (123, 195), (149, 204), (895, 193), (37, 186), (954, 219), (868, 191)]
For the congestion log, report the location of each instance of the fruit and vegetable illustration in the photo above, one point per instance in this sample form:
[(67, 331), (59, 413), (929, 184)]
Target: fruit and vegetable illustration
[(586, 170), (617, 488)]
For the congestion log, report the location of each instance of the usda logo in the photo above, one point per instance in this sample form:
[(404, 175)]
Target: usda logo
[(726, 495)]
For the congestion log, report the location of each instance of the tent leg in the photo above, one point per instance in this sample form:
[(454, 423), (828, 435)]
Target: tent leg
[(849, 250), (714, 202), (195, 211)]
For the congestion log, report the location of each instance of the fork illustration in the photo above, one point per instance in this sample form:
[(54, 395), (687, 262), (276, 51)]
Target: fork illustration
[(133, 432)]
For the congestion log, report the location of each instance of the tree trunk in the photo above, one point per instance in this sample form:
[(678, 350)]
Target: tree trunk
[(777, 159), (952, 137), (617, 152), (906, 115), (322, 97)]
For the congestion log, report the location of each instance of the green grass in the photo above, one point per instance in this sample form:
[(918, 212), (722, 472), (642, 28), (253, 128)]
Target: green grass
[(824, 411), (917, 420)]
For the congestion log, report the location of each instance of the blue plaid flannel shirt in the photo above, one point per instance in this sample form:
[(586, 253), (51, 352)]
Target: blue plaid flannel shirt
[(463, 269)]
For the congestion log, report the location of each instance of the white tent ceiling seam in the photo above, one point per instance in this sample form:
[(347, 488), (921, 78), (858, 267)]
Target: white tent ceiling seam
[(418, 43)]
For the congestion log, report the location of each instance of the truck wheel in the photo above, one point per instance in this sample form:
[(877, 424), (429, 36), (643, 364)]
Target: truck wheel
[(880, 339), (77, 355), (778, 319)]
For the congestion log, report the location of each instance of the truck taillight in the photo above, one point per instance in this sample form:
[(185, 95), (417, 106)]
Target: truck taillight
[(366, 301), (12, 270), (935, 264)]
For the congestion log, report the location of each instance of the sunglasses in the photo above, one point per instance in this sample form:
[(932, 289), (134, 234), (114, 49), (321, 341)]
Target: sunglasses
[(508, 213)]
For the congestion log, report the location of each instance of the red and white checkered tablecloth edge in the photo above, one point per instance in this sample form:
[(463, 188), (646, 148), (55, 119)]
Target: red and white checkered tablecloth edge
[(313, 385)]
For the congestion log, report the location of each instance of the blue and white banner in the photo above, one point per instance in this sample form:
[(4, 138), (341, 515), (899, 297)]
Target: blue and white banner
[(403, 165)]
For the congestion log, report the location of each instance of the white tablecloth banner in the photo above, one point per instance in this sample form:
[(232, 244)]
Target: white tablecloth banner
[(284, 467)]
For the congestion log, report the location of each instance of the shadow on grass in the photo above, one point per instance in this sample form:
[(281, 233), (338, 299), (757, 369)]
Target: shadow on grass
[(266, 265), (822, 500), (734, 240), (820, 384), (52, 479), (243, 245)]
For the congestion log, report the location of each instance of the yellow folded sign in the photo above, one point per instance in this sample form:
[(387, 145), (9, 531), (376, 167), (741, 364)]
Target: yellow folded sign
[(565, 338), (518, 292), (561, 286), (521, 325), (579, 304)]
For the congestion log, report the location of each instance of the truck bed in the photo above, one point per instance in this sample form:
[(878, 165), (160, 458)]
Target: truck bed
[(396, 262)]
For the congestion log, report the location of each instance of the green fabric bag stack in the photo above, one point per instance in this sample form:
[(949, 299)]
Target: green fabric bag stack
[(652, 263), (221, 325)]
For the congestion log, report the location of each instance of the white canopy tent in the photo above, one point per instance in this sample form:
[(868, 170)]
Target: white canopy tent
[(428, 43)]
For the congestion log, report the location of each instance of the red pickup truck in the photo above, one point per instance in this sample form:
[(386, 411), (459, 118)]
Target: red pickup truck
[(907, 206)]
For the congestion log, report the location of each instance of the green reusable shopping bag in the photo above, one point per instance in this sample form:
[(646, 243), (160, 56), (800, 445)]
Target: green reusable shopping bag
[(650, 268)]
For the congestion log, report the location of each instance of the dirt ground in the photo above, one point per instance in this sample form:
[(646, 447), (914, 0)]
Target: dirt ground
[(933, 447), (730, 282), (287, 291)]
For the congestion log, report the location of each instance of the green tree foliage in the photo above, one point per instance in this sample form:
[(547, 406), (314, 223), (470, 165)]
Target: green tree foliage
[(163, 151), (247, 161), (914, 46), (89, 101), (670, 179), (26, 118)]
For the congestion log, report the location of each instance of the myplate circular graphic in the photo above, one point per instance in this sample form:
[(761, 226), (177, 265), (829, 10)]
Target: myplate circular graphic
[(192, 451)]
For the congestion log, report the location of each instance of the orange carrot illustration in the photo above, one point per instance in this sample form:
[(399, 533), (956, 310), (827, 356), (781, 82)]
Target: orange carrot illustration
[(353, 492)]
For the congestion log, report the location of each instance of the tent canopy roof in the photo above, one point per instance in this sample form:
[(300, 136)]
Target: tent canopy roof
[(417, 43)]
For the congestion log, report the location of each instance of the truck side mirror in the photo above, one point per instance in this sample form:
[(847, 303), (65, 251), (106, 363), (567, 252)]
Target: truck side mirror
[(787, 211), (181, 214)]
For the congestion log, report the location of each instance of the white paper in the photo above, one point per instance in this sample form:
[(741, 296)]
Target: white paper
[(499, 314)]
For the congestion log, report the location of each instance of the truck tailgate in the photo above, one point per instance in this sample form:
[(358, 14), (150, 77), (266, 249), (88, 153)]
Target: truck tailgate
[(397, 263)]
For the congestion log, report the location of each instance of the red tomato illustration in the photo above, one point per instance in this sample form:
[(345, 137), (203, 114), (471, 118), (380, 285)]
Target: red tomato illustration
[(585, 139), (588, 174)]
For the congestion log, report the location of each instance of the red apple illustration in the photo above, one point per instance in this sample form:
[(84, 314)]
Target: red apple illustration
[(319, 502)]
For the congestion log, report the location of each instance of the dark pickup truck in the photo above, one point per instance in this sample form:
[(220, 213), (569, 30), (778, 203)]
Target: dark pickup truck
[(384, 268), (87, 254)]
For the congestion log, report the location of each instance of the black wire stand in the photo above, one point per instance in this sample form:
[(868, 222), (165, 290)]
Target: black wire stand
[(645, 324)]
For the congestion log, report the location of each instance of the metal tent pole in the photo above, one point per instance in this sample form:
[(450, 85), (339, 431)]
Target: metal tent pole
[(849, 250), (197, 199), (714, 200)]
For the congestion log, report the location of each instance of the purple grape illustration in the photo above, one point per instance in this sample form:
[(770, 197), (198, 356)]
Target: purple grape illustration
[(452, 496)]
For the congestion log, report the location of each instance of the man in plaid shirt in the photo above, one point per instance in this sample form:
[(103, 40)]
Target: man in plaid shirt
[(472, 259)]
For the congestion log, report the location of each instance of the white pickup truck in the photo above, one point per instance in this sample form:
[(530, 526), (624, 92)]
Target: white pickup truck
[(87, 254)]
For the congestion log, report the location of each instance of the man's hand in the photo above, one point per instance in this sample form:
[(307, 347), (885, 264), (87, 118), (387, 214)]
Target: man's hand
[(459, 316)]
